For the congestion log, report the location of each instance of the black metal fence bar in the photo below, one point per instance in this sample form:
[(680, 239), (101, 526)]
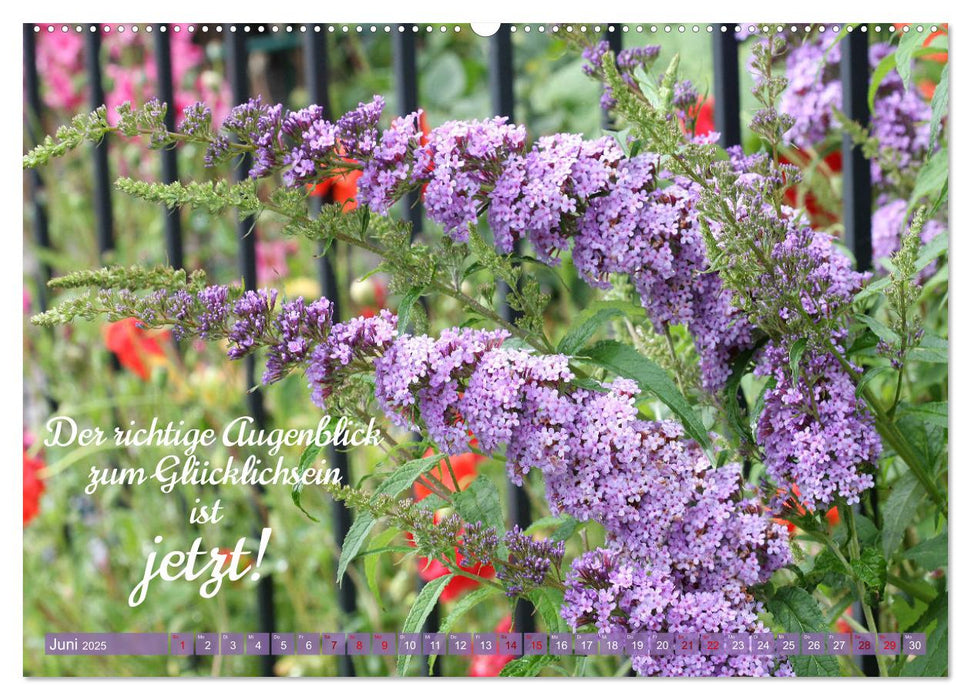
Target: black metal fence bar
[(38, 193), (726, 85), (236, 68), (316, 66), (170, 171), (502, 91), (857, 190), (104, 223)]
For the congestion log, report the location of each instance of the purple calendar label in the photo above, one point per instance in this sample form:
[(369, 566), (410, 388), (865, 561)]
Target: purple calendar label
[(308, 643), (737, 643), (639, 644), (914, 643), (382, 644), (106, 644), (207, 644), (586, 644), (359, 644), (662, 644), (840, 644), (333, 644), (485, 643), (511, 643), (888, 644), (712, 644), (230, 644), (561, 644), (409, 643), (787, 643), (762, 644), (258, 644), (459, 644), (281, 644), (814, 643), (686, 644), (181, 644), (864, 644), (534, 643), (432, 643), (613, 645)]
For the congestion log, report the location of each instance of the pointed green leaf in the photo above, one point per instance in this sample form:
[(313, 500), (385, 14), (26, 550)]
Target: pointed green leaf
[(420, 609), (899, 511)]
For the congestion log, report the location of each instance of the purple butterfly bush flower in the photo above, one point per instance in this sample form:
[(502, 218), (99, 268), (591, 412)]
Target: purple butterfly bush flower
[(815, 432)]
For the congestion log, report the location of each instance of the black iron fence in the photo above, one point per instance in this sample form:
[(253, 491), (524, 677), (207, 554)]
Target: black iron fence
[(857, 203)]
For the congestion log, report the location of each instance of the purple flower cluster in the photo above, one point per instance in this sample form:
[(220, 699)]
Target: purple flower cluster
[(889, 222), (563, 193), (253, 313), (900, 120), (299, 327), (360, 339), (529, 561), (619, 594), (666, 510), (815, 432), (419, 375)]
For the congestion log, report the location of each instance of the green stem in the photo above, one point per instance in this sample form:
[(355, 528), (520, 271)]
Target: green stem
[(910, 588), (853, 549)]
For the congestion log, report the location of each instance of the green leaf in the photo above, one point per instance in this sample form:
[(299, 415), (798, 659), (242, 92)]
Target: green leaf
[(548, 603), (353, 541), (480, 502), (888, 63), (932, 250), (625, 361), (939, 105), (931, 179), (882, 332), (871, 569), (797, 611), (795, 356), (904, 55), (404, 476), (934, 661), (899, 511), (872, 288), (527, 666), (735, 399), (870, 374), (308, 457), (420, 609), (404, 308), (462, 606), (589, 321), (373, 560), (930, 554), (934, 412)]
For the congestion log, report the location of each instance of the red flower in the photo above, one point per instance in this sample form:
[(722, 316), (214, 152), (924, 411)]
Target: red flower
[(134, 346), (488, 665), (705, 117), (33, 486), (795, 507), (463, 465), (842, 625)]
